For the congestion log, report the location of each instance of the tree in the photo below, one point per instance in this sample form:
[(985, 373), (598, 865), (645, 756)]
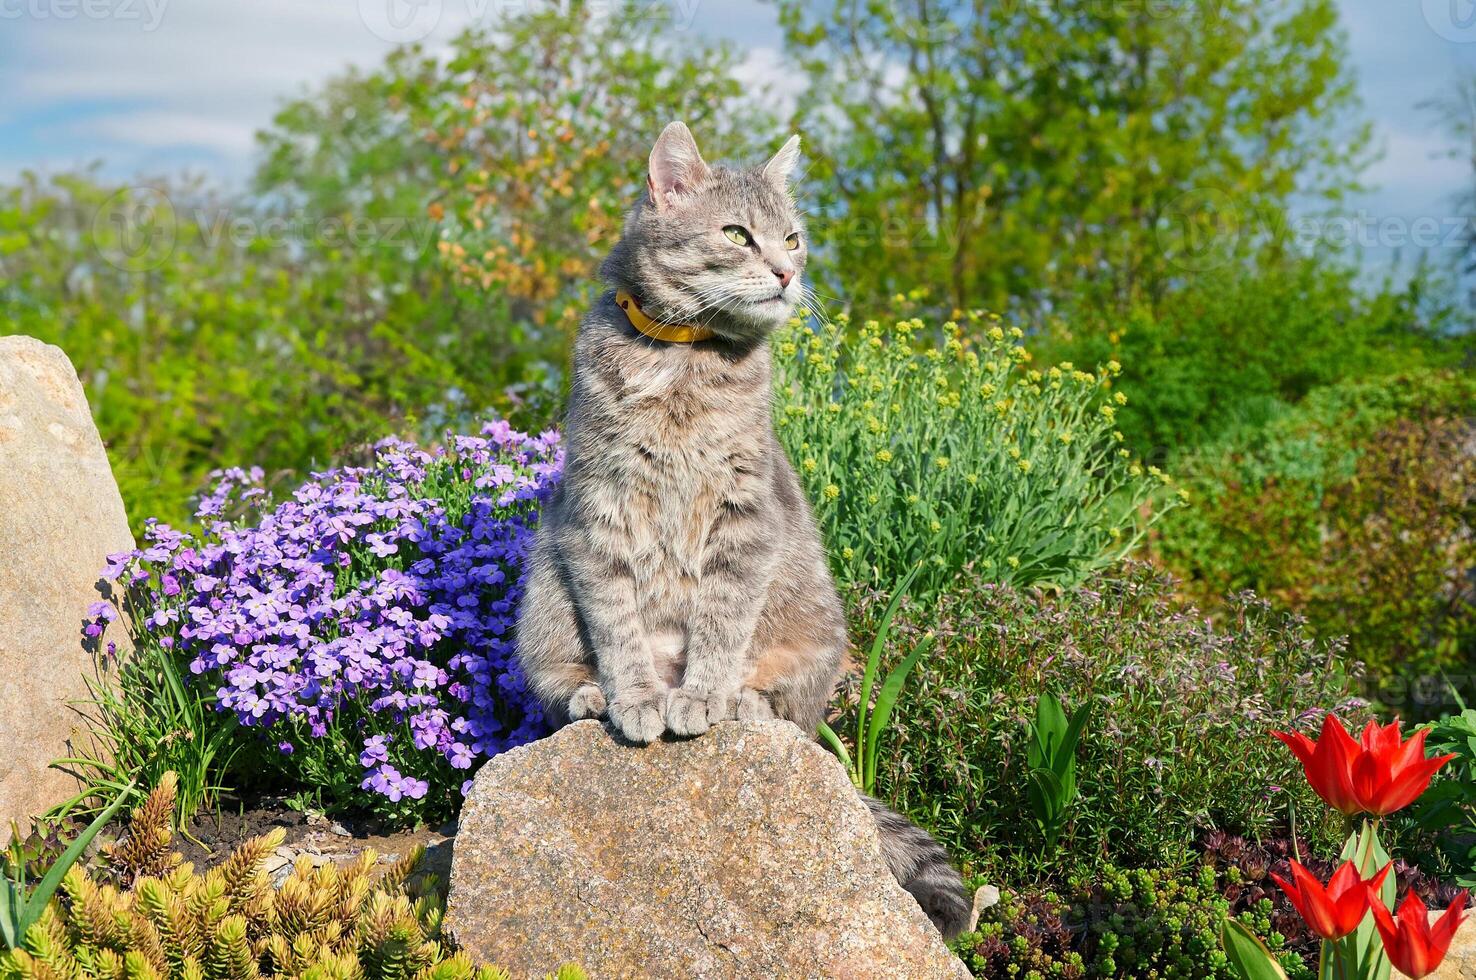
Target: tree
[(524, 146), (1012, 153)]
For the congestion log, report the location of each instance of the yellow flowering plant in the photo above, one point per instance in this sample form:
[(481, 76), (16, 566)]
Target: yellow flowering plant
[(946, 446)]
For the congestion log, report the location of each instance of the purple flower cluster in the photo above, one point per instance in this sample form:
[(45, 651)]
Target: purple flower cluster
[(375, 606)]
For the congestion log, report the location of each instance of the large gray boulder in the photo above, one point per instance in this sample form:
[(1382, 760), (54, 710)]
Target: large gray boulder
[(60, 517), (743, 853)]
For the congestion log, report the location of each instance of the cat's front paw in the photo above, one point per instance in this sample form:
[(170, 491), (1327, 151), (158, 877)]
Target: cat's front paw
[(587, 702), (640, 717), (693, 710)]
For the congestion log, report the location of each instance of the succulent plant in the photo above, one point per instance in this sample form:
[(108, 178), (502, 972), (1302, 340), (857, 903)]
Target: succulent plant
[(148, 915)]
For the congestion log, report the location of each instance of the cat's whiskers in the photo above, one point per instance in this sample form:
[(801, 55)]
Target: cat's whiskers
[(703, 299)]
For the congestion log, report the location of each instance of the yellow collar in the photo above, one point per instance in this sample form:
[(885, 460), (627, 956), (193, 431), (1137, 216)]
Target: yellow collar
[(673, 333)]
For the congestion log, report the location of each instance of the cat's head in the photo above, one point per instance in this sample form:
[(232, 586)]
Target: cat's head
[(712, 245)]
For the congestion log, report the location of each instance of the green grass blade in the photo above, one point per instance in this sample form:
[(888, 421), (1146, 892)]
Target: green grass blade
[(1248, 955), (37, 900), (885, 700), (9, 912), (873, 658), (833, 742)]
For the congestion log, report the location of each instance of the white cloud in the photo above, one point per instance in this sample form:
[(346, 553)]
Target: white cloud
[(141, 83), (1414, 172), (163, 128)]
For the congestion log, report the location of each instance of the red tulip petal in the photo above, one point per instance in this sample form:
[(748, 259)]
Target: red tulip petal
[(1414, 907), (1377, 881), (1300, 745), (1371, 737), (1295, 896), (1331, 771), (1407, 785), (1343, 880), (1349, 895), (1410, 752), (1370, 778), (1444, 929), (1317, 911), (1411, 952), (1383, 920)]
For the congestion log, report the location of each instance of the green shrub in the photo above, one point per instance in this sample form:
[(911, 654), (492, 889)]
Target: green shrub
[(920, 446), (1446, 813), (226, 354), (1235, 347), (1356, 509), (1180, 715), (1143, 923), (149, 916), (147, 718)]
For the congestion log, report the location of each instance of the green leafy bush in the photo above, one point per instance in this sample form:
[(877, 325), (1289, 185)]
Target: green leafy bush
[(150, 916), (1235, 347), (1356, 509), (926, 446), (1180, 711), (219, 351), (1446, 813)]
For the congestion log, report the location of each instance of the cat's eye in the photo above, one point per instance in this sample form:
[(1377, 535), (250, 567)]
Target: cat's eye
[(792, 242), (738, 235)]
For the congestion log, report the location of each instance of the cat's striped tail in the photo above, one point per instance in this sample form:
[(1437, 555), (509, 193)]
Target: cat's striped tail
[(921, 866)]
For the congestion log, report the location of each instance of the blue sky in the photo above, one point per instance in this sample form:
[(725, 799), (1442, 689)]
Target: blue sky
[(147, 86)]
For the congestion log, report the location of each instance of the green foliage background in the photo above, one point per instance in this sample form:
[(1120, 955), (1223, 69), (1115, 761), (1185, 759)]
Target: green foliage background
[(1114, 180)]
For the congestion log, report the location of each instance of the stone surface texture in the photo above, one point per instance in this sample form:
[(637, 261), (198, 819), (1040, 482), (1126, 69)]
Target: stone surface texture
[(743, 853), (60, 517)]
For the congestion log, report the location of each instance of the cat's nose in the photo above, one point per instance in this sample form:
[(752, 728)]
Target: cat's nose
[(784, 275)]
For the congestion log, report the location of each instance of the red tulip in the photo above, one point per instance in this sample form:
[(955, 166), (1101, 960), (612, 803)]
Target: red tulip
[(1388, 774), (1378, 774), (1328, 762), (1414, 946), (1335, 911)]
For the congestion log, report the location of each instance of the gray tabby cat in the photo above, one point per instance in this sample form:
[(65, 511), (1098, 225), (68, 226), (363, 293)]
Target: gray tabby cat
[(678, 578)]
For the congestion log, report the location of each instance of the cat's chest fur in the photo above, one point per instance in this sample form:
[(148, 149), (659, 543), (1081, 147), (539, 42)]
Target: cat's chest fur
[(669, 437)]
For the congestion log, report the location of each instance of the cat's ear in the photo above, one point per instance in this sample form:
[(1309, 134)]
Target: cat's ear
[(782, 165), (677, 166)]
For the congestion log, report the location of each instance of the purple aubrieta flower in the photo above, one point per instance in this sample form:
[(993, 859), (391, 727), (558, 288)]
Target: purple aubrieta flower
[(387, 781), (299, 624)]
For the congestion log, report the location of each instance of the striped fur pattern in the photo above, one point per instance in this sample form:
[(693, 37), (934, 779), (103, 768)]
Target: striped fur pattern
[(678, 578)]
